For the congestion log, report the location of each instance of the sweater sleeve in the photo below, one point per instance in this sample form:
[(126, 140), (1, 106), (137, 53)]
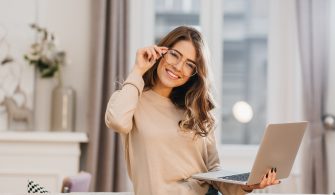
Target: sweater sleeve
[(213, 163), (122, 104)]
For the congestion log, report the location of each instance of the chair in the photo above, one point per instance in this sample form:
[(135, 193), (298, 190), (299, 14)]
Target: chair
[(77, 183)]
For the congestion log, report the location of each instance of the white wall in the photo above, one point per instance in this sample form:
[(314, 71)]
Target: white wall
[(15, 38), (70, 20)]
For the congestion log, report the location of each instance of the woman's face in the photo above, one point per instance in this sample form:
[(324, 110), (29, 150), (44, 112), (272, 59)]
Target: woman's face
[(177, 65)]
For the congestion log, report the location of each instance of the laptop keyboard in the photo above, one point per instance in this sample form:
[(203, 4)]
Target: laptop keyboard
[(238, 177)]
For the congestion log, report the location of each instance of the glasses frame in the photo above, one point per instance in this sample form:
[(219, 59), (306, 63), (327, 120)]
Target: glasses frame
[(196, 68)]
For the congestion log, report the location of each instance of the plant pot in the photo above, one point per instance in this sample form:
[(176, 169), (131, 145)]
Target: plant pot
[(63, 109)]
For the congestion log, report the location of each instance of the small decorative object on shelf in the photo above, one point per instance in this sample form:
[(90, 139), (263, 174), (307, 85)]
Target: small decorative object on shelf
[(3, 118), (63, 107), (15, 111), (48, 61)]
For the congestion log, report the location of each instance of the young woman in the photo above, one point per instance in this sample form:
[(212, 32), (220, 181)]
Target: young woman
[(163, 113)]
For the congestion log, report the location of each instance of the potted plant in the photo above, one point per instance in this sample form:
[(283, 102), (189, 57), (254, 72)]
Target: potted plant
[(48, 61), (45, 55)]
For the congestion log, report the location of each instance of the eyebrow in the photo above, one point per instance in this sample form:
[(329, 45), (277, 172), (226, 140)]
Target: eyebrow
[(183, 55)]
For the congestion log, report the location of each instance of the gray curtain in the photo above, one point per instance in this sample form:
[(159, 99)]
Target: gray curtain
[(103, 156), (313, 16)]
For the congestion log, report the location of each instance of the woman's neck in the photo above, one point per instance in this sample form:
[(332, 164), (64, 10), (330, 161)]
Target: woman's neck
[(161, 90)]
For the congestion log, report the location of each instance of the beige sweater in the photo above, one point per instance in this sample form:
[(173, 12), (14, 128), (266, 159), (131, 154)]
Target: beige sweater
[(160, 158)]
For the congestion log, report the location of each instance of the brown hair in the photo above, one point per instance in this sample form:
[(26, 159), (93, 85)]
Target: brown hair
[(194, 96)]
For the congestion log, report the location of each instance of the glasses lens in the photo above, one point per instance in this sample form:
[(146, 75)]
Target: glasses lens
[(173, 57), (189, 69)]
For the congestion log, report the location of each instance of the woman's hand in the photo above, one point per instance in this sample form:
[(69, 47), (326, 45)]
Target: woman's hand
[(268, 180), (147, 56)]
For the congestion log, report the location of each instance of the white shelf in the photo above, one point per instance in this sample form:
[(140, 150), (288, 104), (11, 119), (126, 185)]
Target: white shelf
[(36, 136)]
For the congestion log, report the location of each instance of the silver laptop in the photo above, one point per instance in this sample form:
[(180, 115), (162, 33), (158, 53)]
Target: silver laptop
[(278, 149)]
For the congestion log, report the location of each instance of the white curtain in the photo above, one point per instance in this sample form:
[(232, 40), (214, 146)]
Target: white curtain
[(313, 31), (284, 78), (330, 108), (330, 105)]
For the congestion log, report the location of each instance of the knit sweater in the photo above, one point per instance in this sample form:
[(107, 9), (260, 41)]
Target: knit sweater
[(160, 157)]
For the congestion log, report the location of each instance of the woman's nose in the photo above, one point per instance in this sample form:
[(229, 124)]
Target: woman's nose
[(179, 65)]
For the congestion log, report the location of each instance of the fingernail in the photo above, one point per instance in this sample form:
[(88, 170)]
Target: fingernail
[(279, 181), (271, 170), (275, 169), (267, 175)]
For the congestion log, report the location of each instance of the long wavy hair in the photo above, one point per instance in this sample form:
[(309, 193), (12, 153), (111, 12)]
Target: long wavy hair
[(194, 96)]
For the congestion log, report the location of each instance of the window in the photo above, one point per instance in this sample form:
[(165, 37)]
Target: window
[(172, 13), (244, 70)]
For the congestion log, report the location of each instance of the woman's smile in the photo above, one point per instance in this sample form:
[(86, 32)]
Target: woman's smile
[(172, 75)]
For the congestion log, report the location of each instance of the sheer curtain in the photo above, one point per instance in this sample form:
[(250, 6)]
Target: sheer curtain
[(313, 29), (103, 156), (284, 78), (330, 108), (298, 58)]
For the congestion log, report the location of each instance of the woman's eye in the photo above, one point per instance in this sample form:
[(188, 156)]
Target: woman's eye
[(191, 65), (174, 55)]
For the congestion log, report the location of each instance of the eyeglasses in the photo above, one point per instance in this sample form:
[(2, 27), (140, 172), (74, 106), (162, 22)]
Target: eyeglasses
[(174, 57)]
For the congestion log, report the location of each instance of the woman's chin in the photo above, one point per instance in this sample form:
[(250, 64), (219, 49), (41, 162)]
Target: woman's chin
[(168, 82)]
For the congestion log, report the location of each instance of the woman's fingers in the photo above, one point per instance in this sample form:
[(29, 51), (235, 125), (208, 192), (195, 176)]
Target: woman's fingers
[(268, 179), (153, 53), (158, 50), (271, 176), (274, 175), (161, 50), (147, 54), (263, 182)]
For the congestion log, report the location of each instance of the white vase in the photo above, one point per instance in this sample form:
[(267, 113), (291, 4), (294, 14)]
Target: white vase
[(63, 109), (42, 103)]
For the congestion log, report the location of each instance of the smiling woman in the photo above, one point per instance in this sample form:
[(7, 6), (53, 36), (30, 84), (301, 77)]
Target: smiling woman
[(163, 113), (186, 82)]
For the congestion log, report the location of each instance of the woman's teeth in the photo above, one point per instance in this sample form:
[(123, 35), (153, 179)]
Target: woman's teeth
[(172, 75)]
